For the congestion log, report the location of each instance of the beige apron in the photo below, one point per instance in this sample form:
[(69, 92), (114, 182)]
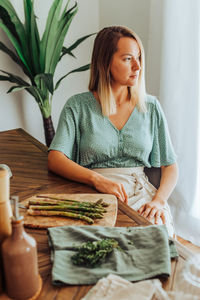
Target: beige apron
[(138, 189)]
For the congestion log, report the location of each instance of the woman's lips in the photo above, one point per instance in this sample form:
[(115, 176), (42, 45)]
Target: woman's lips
[(134, 76)]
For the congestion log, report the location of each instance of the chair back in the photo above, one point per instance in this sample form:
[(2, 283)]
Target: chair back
[(154, 175)]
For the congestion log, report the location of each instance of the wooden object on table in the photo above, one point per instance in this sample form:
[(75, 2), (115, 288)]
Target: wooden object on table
[(109, 218), (27, 159), (5, 209), (5, 214)]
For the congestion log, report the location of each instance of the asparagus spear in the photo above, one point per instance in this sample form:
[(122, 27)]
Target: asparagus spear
[(100, 201), (55, 198), (54, 202), (64, 207), (93, 215), (88, 214), (60, 213), (44, 202)]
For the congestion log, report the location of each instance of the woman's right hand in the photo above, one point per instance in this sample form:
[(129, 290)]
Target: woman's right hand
[(63, 166), (107, 186)]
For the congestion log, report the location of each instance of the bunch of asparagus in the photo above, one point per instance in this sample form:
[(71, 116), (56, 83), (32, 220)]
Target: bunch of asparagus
[(54, 206)]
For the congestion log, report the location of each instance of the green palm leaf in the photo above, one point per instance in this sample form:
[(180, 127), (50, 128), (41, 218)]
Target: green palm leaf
[(27, 14), (35, 44), (32, 90), (15, 58), (57, 42), (16, 88), (7, 21), (15, 44), (32, 36), (12, 22), (47, 79), (13, 78), (66, 51), (49, 35), (81, 69), (74, 45), (61, 33)]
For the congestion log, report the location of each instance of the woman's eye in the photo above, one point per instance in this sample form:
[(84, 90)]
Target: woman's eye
[(127, 58)]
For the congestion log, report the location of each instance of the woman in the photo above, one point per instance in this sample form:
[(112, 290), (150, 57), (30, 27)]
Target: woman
[(106, 136)]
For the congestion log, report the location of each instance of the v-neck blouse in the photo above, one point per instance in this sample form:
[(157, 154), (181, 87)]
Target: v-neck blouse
[(90, 139)]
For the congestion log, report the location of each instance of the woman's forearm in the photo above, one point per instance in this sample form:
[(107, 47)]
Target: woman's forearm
[(63, 166), (169, 176)]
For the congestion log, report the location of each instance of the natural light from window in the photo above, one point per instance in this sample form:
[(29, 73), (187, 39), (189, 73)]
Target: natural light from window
[(196, 204)]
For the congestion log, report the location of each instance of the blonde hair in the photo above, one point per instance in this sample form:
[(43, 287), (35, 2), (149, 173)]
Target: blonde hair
[(105, 46)]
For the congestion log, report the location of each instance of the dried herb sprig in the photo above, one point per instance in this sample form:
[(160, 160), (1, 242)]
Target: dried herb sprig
[(91, 254)]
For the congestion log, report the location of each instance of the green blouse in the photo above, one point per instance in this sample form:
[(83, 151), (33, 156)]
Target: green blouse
[(90, 139)]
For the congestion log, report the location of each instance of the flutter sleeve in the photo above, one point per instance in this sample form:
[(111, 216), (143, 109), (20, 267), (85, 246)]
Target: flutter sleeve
[(66, 137), (162, 153)]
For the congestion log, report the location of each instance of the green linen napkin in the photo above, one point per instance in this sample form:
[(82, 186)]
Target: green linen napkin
[(147, 253)]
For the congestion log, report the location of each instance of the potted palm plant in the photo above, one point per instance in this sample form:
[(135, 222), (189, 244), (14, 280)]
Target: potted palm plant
[(38, 57)]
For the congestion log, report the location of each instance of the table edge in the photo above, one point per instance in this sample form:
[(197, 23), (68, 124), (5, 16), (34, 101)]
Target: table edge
[(28, 137)]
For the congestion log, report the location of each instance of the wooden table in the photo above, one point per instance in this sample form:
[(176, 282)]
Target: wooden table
[(27, 159)]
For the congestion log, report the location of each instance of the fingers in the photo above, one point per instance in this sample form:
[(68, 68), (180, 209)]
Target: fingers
[(141, 209), (160, 215), (163, 217), (104, 185), (121, 193), (125, 194), (157, 217), (147, 211), (151, 212), (119, 196)]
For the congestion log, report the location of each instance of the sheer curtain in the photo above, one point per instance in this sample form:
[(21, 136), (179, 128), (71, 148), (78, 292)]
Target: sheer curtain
[(177, 73)]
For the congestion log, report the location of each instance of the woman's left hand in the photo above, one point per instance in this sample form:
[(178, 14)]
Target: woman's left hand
[(153, 209)]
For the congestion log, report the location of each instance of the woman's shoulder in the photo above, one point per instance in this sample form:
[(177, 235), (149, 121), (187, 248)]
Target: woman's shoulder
[(79, 99), (153, 104), (78, 103), (155, 108), (151, 100)]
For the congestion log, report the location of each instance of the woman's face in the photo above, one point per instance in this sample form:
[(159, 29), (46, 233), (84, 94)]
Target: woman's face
[(125, 64)]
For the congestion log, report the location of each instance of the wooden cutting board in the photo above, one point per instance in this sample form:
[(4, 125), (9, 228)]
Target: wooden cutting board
[(109, 218)]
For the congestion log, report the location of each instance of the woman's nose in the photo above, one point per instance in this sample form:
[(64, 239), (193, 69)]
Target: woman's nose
[(136, 65)]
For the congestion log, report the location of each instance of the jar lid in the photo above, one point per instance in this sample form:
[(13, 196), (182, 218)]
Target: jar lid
[(4, 168), (16, 216)]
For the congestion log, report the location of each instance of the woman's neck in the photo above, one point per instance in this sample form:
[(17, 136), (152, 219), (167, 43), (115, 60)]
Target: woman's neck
[(120, 94)]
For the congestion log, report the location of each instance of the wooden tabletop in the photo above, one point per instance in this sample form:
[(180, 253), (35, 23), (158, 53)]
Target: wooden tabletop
[(27, 159)]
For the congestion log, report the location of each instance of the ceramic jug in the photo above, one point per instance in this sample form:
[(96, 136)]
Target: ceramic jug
[(19, 254)]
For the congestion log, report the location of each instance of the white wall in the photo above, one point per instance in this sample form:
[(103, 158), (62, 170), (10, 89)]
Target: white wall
[(19, 109), (154, 50), (131, 13)]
